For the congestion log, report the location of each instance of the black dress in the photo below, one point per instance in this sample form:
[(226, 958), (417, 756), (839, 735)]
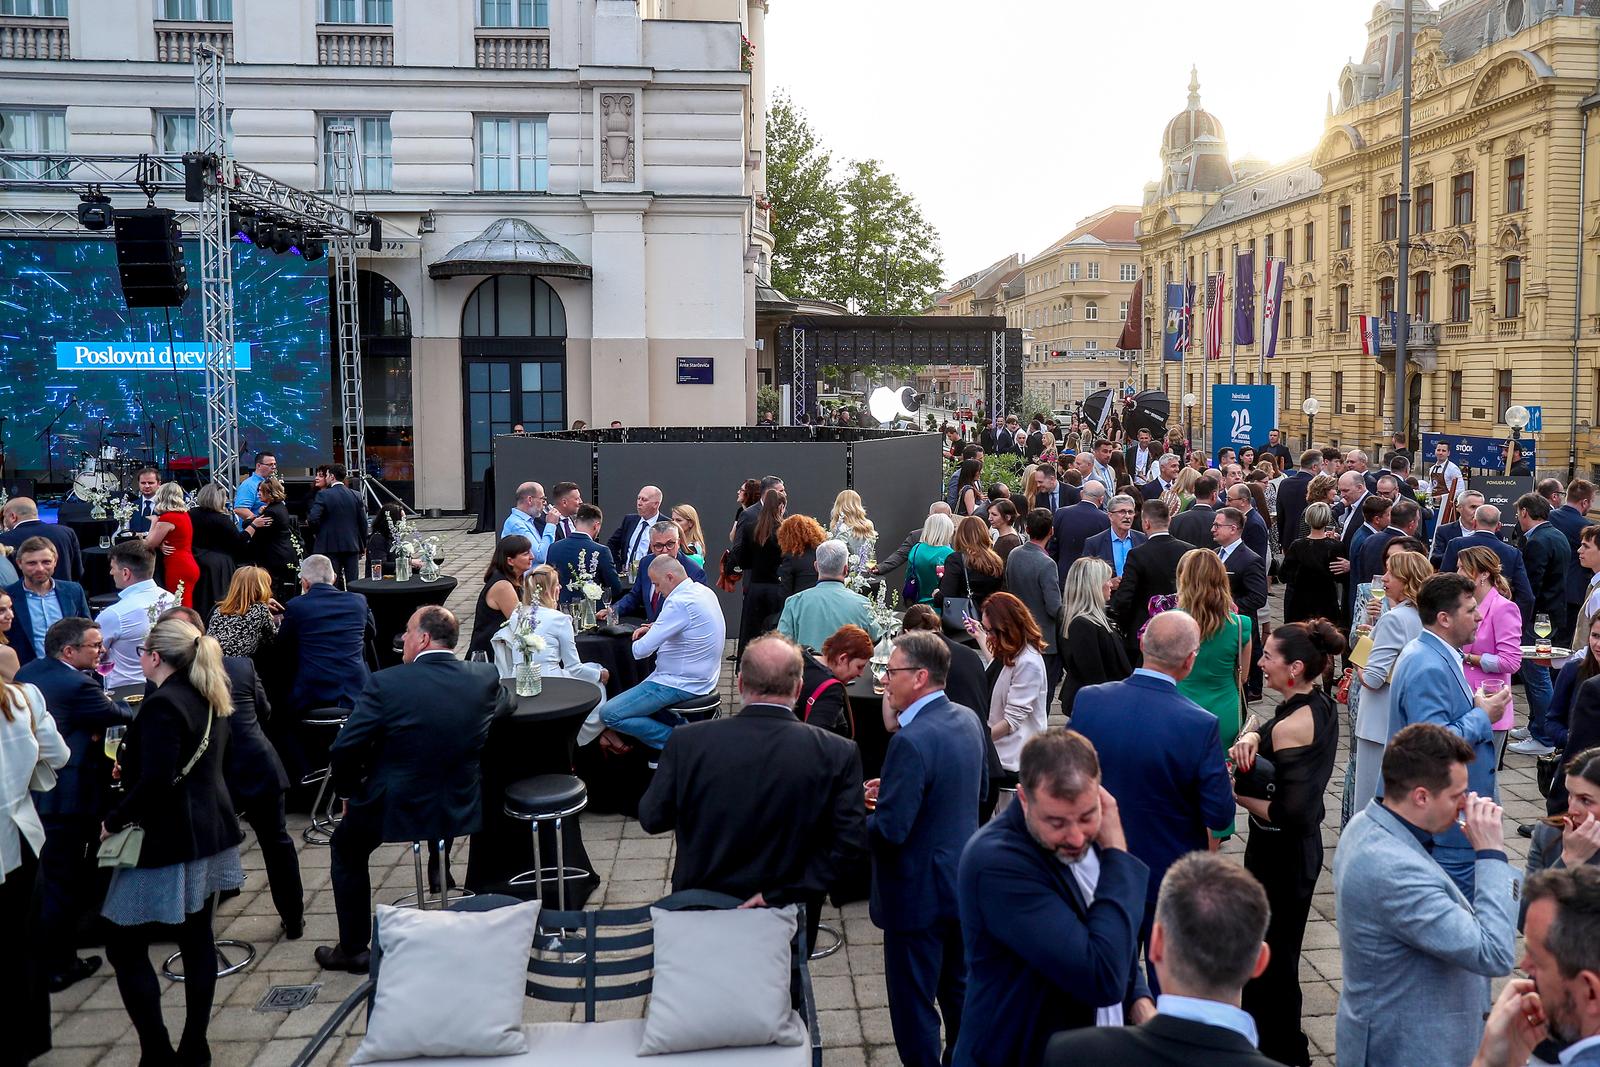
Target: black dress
[(1285, 855), (1090, 654), (763, 593), (957, 580), (1310, 590), (822, 704), (798, 573), (273, 547), (486, 620), (216, 532)]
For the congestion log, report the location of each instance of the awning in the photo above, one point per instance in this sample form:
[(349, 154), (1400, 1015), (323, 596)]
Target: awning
[(510, 246)]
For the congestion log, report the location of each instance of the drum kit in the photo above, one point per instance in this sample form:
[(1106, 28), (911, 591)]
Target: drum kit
[(113, 470)]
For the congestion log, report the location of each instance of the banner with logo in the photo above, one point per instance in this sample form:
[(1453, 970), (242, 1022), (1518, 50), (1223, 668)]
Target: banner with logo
[(1241, 415), (1484, 453)]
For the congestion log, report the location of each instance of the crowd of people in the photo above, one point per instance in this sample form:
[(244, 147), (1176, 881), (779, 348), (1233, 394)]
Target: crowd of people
[(1047, 894)]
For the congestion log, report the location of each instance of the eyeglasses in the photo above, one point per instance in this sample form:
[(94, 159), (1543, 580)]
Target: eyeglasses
[(895, 670)]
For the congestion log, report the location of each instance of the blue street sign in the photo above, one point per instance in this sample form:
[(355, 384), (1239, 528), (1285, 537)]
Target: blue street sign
[(695, 370), (1241, 415), (1535, 418)]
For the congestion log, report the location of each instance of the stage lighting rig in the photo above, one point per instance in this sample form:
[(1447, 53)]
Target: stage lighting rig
[(94, 209), (310, 249)]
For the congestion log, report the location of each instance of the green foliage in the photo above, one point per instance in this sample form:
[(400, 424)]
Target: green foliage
[(805, 201), (1007, 468), (767, 399), (1033, 399)]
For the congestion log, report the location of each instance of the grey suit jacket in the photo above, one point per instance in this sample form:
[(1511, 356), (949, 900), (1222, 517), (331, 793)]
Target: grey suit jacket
[(1031, 578), (1418, 957)]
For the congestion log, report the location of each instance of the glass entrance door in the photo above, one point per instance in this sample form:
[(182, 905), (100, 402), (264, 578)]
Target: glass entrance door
[(505, 392)]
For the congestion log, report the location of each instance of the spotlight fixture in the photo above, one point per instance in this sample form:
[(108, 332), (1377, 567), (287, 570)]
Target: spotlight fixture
[(310, 249), (242, 224), (94, 210)]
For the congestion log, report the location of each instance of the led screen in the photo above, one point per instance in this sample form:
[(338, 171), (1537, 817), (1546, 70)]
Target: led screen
[(70, 347)]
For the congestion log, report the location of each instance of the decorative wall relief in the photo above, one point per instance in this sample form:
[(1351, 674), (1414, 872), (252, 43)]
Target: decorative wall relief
[(616, 137)]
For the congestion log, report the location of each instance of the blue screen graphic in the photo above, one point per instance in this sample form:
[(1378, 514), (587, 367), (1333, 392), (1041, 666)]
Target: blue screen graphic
[(66, 334)]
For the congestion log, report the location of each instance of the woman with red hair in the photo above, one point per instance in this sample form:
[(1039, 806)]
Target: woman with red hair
[(823, 701)]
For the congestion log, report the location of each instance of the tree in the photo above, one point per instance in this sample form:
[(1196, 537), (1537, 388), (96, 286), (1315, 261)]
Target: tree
[(806, 210), (886, 254)]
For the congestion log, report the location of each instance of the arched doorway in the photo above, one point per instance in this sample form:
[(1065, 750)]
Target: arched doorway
[(385, 320), (513, 366)]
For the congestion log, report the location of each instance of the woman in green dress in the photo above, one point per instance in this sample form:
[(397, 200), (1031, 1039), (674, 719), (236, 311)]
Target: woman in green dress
[(1216, 681), (928, 555)]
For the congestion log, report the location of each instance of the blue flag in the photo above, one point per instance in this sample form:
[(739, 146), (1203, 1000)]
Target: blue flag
[(1244, 299), (1171, 347)]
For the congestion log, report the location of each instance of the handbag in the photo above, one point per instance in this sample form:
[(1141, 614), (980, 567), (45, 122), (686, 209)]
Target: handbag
[(122, 848), (1342, 692), (956, 610), (1258, 783), (1545, 770), (43, 777), (727, 572), (911, 591)]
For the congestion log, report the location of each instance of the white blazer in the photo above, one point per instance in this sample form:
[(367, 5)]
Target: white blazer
[(29, 737), (1020, 697)]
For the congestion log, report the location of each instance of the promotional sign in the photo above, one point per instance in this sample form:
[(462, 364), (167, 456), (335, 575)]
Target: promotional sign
[(1241, 415), (1484, 453), (156, 356), (1503, 492), (695, 370)]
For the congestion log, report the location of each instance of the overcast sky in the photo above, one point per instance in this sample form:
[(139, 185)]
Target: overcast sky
[(1010, 120)]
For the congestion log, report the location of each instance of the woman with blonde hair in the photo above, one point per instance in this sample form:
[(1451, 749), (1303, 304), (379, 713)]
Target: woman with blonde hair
[(1397, 627), (1183, 487), (928, 555), (1091, 649), (171, 527), (798, 537), (1495, 651), (693, 538), (973, 569), (541, 601), (273, 542), (173, 791), (244, 622), (1217, 680), (849, 523)]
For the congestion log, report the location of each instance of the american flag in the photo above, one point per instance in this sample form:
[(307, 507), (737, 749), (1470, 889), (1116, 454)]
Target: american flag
[(1216, 294)]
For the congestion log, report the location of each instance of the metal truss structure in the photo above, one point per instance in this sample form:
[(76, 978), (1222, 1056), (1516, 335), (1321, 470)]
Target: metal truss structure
[(216, 275), (353, 434)]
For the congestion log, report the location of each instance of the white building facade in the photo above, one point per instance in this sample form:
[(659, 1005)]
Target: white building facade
[(630, 133)]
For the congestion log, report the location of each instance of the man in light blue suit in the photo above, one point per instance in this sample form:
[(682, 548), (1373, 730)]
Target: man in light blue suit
[(1417, 954), (1428, 686)]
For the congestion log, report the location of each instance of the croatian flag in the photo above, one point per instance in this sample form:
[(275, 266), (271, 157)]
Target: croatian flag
[(1369, 335), (1216, 285), (1271, 302)]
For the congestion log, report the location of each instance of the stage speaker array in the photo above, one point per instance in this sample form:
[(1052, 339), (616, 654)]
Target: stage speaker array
[(150, 257)]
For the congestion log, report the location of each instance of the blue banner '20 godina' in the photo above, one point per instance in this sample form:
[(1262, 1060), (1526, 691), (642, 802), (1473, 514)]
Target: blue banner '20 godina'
[(1483, 453), (1241, 415)]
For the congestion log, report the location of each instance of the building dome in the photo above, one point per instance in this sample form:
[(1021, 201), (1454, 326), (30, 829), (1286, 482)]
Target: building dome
[(1192, 122)]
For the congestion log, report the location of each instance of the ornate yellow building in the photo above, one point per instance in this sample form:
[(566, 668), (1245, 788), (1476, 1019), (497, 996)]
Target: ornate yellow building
[(1505, 226)]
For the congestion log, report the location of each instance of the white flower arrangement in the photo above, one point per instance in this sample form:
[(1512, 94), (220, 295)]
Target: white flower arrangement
[(524, 639), (591, 590), (122, 511), (582, 575)]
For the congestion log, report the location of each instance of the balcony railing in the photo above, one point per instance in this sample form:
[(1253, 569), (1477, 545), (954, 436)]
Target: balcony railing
[(177, 41), (1457, 331), (34, 38), (1508, 328), (513, 49), (1304, 343), (1421, 335), (364, 46)]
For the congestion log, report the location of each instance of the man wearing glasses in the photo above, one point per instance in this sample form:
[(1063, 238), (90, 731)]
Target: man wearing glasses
[(1113, 545)]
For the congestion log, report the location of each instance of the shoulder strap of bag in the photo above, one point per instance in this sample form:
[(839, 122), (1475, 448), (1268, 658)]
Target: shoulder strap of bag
[(815, 693), (205, 743)]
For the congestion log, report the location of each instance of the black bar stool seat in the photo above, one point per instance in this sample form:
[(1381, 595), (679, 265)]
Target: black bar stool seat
[(698, 709), (546, 796)]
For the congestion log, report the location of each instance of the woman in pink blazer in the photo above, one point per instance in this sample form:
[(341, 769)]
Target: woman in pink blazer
[(1495, 652)]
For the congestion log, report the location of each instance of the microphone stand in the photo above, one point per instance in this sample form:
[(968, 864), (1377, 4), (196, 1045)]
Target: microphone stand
[(47, 435)]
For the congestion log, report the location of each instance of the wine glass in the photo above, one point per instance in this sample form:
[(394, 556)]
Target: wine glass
[(113, 741), (1541, 630), (880, 672), (479, 657), (104, 666)]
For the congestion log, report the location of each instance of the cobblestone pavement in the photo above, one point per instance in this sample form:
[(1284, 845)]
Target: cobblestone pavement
[(90, 1026)]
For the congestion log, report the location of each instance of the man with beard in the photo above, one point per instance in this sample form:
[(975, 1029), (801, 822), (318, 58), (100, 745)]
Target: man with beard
[(1051, 903)]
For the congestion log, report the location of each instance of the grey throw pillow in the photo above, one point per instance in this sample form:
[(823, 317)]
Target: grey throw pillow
[(721, 981)]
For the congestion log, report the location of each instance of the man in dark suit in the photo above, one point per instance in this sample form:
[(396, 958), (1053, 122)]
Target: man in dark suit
[(565, 555), (631, 539), (1032, 577), (1208, 940), (338, 519), (1352, 497), (1485, 522), (1077, 523), (144, 501), (1160, 754), (926, 809), (1374, 519), (1405, 520), (39, 599), (1465, 522), (71, 812), (1114, 544), (21, 518), (1051, 900), (1194, 525), (1049, 495), (408, 760), (1163, 477), (565, 499), (966, 684), (1256, 535), (1151, 570), (1247, 572), (1570, 518), (641, 600), (809, 828), (1292, 496), (323, 641), (1547, 558), (1140, 457)]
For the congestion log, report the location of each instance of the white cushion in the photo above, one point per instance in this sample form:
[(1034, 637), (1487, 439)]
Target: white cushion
[(616, 1044), (450, 984), (721, 980)]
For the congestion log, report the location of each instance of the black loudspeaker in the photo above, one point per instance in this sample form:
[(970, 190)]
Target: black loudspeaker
[(150, 257)]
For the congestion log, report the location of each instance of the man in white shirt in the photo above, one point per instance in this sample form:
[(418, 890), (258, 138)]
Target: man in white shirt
[(1441, 472), (630, 543), (139, 600), (686, 639)]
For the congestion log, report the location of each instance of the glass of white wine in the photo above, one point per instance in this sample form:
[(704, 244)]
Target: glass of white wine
[(880, 671), (113, 741), (1541, 630)]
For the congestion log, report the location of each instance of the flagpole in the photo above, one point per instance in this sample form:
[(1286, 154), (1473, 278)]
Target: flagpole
[(1401, 323), (1233, 332), (1261, 335)]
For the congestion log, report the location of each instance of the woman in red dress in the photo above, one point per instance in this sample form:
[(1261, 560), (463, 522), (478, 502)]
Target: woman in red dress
[(172, 529)]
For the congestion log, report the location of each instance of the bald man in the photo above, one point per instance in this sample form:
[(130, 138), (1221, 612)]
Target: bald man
[(630, 543)]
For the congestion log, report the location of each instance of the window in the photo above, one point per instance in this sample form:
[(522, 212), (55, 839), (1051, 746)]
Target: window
[(1422, 296), (1309, 318), (374, 151), (1305, 384), (196, 10), (1122, 312), (1091, 311), (1288, 247), (1311, 242), (1461, 199), (1511, 306), (1344, 226), (1389, 217), (1455, 396), (1129, 272), (525, 13), (1094, 272), (1423, 209), (1072, 272), (1338, 392), (360, 12), (1381, 392), (38, 8), (1286, 316), (1385, 295), (514, 154), (1267, 247), (1516, 183), (175, 132), (1090, 346), (1341, 298), (1461, 294), (1502, 393), (31, 131)]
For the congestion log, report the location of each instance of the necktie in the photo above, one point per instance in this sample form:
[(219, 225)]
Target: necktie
[(1222, 553), (655, 604), (638, 541), (147, 509)]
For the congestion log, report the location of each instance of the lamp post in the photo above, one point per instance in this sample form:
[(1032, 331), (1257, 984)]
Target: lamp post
[(1310, 406), (1517, 419), (1190, 402)]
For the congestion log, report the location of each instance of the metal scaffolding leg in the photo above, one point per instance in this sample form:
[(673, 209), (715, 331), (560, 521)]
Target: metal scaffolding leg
[(352, 415), (216, 274)]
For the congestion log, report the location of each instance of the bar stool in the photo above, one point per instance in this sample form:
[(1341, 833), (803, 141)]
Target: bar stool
[(323, 820), (1006, 794), (547, 798), (225, 966), (419, 898), (838, 942), (697, 709)]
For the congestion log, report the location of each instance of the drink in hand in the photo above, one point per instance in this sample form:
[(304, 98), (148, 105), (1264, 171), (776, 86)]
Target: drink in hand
[(113, 741)]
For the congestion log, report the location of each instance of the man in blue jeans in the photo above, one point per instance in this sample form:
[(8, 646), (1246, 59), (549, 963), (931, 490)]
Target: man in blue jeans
[(687, 640)]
